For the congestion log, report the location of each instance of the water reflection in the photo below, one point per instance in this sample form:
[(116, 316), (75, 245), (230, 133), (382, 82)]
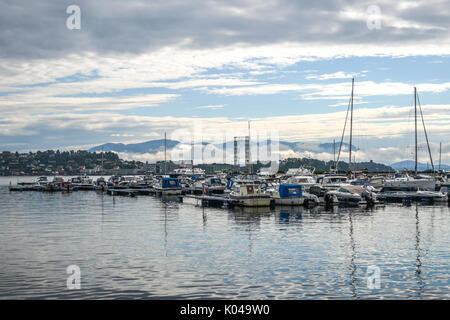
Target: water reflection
[(352, 265), (418, 265), (291, 215), (159, 248)]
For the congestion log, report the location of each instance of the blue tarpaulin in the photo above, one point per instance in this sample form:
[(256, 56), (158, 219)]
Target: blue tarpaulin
[(290, 190), (170, 183)]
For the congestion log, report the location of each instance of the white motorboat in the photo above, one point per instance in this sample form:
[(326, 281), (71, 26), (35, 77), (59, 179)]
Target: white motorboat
[(214, 185), (403, 180), (41, 183), (83, 183), (168, 187), (293, 195), (392, 194), (352, 194), (305, 181), (249, 194)]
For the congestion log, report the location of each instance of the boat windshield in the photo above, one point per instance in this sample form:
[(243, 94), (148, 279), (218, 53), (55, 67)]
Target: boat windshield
[(335, 180)]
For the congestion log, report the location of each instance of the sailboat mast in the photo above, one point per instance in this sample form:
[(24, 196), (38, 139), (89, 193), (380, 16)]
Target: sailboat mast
[(415, 125), (334, 150), (440, 155), (165, 153), (351, 127), (102, 161)]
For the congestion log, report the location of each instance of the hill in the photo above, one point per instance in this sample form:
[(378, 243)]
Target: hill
[(409, 164)]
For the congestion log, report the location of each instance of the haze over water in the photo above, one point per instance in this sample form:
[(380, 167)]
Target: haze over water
[(147, 248)]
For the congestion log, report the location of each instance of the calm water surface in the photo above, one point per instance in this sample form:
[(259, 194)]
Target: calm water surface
[(147, 248)]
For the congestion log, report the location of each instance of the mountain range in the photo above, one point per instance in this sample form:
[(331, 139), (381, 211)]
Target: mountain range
[(410, 164), (155, 146)]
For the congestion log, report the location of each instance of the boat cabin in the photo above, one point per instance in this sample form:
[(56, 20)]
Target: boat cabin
[(244, 190)]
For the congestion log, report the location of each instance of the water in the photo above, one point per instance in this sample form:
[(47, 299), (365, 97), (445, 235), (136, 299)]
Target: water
[(143, 247)]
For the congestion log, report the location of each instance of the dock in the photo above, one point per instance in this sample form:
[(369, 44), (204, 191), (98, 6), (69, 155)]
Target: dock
[(210, 201), (130, 192)]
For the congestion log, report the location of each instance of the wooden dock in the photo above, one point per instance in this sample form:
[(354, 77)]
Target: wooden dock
[(130, 192), (210, 201)]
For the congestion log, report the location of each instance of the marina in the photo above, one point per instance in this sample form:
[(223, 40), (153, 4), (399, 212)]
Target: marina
[(252, 191)]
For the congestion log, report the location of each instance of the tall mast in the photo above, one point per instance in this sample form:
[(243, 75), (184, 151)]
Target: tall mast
[(102, 160), (249, 145), (351, 127), (415, 123), (334, 150), (165, 153), (440, 155)]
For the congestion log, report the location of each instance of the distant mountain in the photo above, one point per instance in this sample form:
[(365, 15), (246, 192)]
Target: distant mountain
[(409, 164), (152, 146), (155, 146), (320, 165)]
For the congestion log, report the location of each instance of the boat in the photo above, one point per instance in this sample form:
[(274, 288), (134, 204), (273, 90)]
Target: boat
[(55, 185), (168, 187), (328, 183), (352, 195), (189, 171), (376, 181), (125, 182), (446, 179), (305, 181), (293, 195), (249, 194), (41, 184), (393, 194), (112, 181), (101, 183), (83, 183), (403, 180), (418, 182), (214, 185)]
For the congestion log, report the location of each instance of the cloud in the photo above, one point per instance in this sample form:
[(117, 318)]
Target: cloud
[(139, 54), (373, 128), (213, 107), (334, 91), (329, 76), (38, 30)]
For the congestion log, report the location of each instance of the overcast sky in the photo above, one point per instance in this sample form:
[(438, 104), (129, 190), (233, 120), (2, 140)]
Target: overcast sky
[(135, 69)]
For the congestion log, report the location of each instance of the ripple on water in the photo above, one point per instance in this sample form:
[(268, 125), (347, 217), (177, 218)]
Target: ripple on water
[(144, 248)]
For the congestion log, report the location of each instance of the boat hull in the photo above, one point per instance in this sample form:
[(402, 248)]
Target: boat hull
[(252, 201), (290, 201)]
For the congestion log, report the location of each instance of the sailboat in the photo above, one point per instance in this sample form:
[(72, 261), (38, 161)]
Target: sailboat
[(402, 181), (334, 180), (350, 109)]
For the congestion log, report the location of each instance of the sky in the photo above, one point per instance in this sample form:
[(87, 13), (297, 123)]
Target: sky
[(136, 69)]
